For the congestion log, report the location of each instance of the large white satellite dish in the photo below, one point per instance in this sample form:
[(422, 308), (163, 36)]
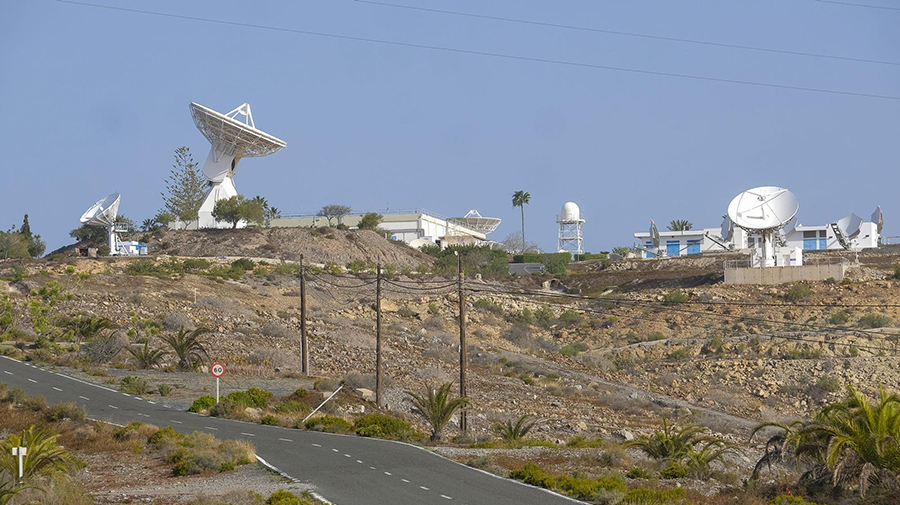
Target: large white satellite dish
[(727, 229), (764, 210), (104, 213), (473, 220), (878, 218), (846, 229), (230, 140)]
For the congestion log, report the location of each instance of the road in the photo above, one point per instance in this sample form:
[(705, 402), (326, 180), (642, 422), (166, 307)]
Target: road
[(344, 469)]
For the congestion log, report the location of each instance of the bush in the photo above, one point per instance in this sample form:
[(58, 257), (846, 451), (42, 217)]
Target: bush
[(642, 496), (790, 500), (798, 292), (35, 403), (675, 297), (292, 407), (164, 389), (134, 385), (330, 424), (580, 487), (195, 264), (200, 452), (62, 411), (384, 426), (570, 318), (282, 497), (874, 321), (674, 470), (269, 420), (205, 402), (253, 397), (572, 350), (828, 383), (839, 317)]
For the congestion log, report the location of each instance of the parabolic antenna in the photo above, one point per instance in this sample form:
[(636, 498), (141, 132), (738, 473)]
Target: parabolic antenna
[(104, 213), (654, 234), (476, 222), (727, 229), (230, 140), (766, 208), (849, 225), (878, 218)]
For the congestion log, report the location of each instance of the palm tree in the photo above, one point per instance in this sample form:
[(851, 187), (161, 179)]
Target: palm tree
[(44, 456), (680, 225), (669, 443), (436, 407), (147, 357), (512, 430), (187, 348), (521, 199), (8, 491), (89, 327)]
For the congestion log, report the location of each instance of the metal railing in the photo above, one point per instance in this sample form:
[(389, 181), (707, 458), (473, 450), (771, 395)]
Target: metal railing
[(745, 263)]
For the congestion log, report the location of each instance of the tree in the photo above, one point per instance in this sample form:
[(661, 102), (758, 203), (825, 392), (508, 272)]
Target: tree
[(334, 211), (621, 250), (370, 221), (13, 246), (512, 430), (521, 199), (185, 187), (145, 356), (229, 210), (125, 224), (44, 456), (680, 225), (187, 347), (272, 213), (255, 210), (513, 243), (436, 407)]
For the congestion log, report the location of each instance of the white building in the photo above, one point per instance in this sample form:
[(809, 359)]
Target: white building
[(682, 243)]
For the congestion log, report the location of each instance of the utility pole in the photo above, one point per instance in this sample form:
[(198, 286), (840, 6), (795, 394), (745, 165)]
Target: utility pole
[(378, 336), (463, 357), (304, 344)]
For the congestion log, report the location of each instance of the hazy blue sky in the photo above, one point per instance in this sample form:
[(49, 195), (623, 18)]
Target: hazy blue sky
[(95, 101)]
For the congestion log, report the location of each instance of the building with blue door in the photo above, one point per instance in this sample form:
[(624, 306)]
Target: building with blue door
[(683, 243)]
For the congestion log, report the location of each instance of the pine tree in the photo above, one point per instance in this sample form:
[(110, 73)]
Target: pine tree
[(185, 187)]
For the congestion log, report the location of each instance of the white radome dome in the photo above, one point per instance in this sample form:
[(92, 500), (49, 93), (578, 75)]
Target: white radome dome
[(570, 212)]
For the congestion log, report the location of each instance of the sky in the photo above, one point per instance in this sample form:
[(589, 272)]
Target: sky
[(96, 100)]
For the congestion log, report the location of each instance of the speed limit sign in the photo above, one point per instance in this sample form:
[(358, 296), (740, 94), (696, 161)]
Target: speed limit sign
[(217, 370)]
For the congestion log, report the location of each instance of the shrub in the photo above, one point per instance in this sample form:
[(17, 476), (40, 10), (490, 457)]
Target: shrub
[(384, 426), (330, 424), (572, 350), (253, 397), (583, 488), (195, 264), (200, 452), (874, 321), (282, 497), (205, 402), (897, 271), (798, 292), (675, 297), (269, 420), (293, 407), (570, 318), (839, 317), (244, 264), (829, 383), (674, 470), (790, 500), (512, 430), (642, 496), (62, 411), (164, 389), (134, 385), (35, 403), (639, 473)]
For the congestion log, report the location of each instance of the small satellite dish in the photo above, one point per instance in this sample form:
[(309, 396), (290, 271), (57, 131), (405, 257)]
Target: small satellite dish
[(654, 234), (420, 243), (878, 218), (766, 208), (230, 140), (104, 213), (727, 229), (849, 225)]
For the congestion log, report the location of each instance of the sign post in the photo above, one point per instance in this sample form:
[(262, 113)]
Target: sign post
[(20, 452), (217, 370)]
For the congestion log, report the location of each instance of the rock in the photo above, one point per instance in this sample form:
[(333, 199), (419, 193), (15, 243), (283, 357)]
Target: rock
[(580, 426), (627, 435), (366, 394), (555, 403)]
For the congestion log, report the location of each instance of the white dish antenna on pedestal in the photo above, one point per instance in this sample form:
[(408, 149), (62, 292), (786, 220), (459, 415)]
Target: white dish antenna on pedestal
[(104, 213), (764, 211), (654, 234), (878, 218), (230, 141), (475, 221), (846, 230)]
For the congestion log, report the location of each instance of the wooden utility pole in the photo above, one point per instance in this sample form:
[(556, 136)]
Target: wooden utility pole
[(463, 357), (378, 336), (304, 343)]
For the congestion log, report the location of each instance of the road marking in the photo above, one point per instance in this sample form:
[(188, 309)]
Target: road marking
[(113, 406), (144, 415), (211, 428), (151, 403), (248, 434), (126, 394), (358, 461), (174, 421), (446, 497), (84, 398), (7, 373), (138, 398), (335, 450), (372, 467), (388, 473), (317, 445), (404, 480), (32, 380), (57, 389), (425, 488), (285, 440), (346, 455)]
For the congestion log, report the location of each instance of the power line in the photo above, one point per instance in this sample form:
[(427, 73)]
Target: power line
[(851, 4), (627, 34), (471, 52)]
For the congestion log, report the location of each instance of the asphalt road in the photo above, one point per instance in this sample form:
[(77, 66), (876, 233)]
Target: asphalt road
[(345, 470)]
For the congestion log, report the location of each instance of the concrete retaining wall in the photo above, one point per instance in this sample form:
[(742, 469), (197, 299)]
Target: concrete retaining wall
[(780, 275)]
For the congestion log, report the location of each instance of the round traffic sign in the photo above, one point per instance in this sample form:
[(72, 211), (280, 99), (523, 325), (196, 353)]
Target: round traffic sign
[(217, 369)]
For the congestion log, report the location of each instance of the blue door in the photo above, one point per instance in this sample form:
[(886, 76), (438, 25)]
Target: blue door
[(810, 244), (823, 243), (673, 248), (693, 247), (649, 245)]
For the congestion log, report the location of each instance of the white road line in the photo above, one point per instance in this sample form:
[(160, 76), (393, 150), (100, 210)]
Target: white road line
[(347, 455), (113, 406), (372, 467), (316, 445), (84, 398), (210, 428), (57, 389), (358, 461), (285, 440), (126, 394), (404, 480), (388, 473), (425, 488), (138, 398), (446, 497), (151, 403), (32, 380), (248, 434), (335, 450), (7, 373), (174, 421)]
